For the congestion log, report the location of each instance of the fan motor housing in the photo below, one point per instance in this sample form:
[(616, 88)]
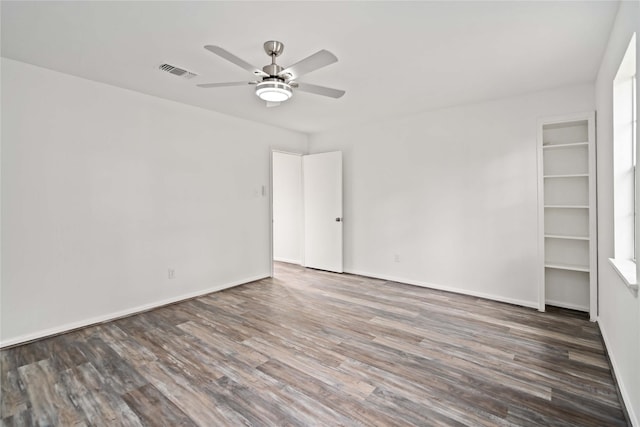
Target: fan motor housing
[(272, 69)]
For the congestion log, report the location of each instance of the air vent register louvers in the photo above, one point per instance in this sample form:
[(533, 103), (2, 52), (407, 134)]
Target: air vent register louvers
[(177, 71)]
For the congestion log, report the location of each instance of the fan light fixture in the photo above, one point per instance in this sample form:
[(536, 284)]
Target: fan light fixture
[(273, 91), (274, 83)]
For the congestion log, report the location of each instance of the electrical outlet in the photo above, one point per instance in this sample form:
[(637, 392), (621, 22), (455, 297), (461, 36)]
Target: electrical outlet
[(171, 273)]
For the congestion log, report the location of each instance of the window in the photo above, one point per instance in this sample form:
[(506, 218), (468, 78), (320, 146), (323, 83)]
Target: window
[(634, 158), (624, 167)]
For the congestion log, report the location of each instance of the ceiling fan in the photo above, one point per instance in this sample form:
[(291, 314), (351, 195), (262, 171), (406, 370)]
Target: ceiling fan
[(277, 83)]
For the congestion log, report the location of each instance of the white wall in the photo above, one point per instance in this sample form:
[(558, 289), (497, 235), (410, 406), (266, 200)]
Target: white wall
[(105, 189), (619, 308), (287, 208), (451, 193)]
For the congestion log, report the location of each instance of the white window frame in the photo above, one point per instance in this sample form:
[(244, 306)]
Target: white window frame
[(634, 158), (625, 179)]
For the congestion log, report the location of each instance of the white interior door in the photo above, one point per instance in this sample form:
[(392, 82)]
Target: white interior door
[(322, 181)]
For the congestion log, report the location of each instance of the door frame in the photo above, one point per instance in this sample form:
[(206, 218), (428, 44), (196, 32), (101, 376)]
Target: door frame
[(271, 152)]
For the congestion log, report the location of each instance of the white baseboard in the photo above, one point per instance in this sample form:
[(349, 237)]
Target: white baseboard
[(288, 261), (567, 305), (530, 304), (119, 314), (626, 400)]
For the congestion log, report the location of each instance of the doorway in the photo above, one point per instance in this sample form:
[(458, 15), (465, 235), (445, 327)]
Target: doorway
[(287, 207), (307, 209)]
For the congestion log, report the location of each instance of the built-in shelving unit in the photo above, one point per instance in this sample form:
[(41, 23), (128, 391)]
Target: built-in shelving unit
[(567, 222)]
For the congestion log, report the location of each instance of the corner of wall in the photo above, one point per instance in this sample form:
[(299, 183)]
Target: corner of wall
[(619, 310)]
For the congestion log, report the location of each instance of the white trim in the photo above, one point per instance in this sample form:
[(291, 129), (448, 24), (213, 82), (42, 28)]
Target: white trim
[(626, 400), (626, 269), (541, 305), (529, 304), (271, 251), (272, 257), (293, 153), (124, 313), (559, 119), (589, 117)]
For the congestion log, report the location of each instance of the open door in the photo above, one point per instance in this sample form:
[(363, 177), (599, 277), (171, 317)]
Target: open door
[(322, 181)]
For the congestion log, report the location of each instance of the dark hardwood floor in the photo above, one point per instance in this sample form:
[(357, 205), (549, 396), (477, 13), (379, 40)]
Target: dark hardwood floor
[(314, 348)]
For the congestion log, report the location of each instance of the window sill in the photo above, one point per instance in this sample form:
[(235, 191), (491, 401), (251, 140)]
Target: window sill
[(626, 269)]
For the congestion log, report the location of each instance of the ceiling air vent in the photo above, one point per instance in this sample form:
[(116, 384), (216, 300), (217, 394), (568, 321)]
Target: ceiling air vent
[(176, 71)]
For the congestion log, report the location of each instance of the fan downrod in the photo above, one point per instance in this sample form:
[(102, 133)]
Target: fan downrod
[(273, 49)]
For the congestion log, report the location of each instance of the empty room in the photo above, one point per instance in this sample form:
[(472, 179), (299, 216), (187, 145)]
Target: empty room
[(319, 213)]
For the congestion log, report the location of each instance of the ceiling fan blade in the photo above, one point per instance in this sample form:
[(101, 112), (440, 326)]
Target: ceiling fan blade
[(319, 90), (208, 85), (311, 63), (234, 59)]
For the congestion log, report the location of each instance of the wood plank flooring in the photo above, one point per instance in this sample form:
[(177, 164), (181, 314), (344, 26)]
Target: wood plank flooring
[(312, 348)]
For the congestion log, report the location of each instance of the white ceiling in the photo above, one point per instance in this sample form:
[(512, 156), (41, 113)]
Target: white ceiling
[(395, 58)]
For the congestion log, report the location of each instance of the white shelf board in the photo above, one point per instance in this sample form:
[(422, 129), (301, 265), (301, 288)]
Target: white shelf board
[(559, 236), (566, 206), (577, 175), (571, 144), (571, 267), (563, 304)]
